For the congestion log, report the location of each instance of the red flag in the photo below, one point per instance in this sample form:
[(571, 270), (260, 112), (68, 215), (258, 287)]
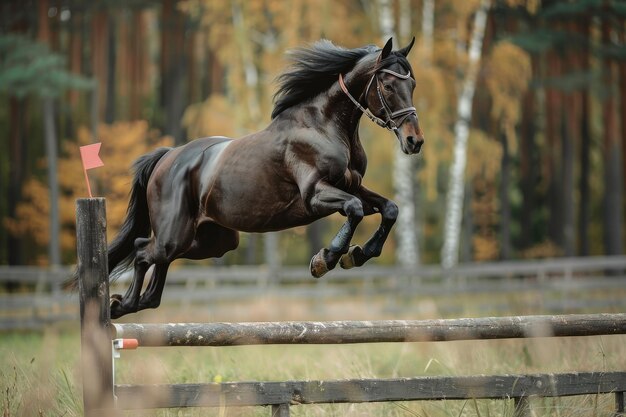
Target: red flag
[(89, 155), (90, 158)]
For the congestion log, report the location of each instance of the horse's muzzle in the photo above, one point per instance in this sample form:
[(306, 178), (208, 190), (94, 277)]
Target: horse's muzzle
[(413, 144), (410, 136)]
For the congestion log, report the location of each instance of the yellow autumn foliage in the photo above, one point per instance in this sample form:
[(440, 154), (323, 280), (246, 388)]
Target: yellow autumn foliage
[(212, 117), (122, 143), (508, 74), (484, 155)]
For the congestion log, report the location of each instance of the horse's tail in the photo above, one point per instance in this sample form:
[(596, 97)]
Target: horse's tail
[(137, 221), (121, 252)]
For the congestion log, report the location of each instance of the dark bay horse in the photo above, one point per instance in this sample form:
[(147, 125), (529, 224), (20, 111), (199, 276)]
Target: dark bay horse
[(191, 201)]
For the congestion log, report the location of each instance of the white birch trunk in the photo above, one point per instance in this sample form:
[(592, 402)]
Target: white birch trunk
[(251, 76), (456, 188), (428, 30), (251, 73), (407, 253)]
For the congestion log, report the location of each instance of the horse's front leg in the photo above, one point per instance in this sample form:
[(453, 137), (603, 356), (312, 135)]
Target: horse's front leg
[(325, 201), (356, 255)]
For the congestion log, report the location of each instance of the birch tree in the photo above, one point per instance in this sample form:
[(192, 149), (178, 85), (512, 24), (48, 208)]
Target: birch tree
[(454, 204), (428, 28), (407, 250), (252, 79)]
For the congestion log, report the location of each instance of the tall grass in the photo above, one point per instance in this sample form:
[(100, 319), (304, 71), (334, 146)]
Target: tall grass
[(40, 372)]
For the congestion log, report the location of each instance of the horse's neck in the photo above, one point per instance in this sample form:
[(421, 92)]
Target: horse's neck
[(349, 114)]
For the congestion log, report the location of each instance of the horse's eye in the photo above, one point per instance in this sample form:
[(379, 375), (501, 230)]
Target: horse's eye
[(388, 87)]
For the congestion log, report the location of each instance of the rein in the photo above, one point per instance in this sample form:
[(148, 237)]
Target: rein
[(390, 123)]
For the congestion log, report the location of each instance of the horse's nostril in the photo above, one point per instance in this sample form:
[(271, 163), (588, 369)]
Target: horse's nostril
[(411, 140)]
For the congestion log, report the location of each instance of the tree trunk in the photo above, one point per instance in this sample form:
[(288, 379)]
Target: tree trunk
[(613, 244), (552, 158), (54, 252), (428, 30), (452, 226), (622, 90), (570, 138), (251, 77), (173, 70), (10, 245), (315, 236), (584, 213), (528, 152), (76, 68), (405, 229), (137, 64), (567, 177), (251, 248), (76, 53), (99, 67), (109, 107), (17, 151), (215, 82), (468, 225), (250, 71), (505, 204), (43, 21), (167, 11)]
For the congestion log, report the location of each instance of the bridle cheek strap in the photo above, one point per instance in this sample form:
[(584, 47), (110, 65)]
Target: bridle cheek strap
[(380, 122), (390, 123)]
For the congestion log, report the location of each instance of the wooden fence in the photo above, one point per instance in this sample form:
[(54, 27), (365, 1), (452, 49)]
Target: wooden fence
[(102, 396), (563, 285)]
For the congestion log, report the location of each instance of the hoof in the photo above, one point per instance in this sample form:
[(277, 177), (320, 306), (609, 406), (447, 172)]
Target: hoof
[(115, 304), (347, 260), (318, 265)]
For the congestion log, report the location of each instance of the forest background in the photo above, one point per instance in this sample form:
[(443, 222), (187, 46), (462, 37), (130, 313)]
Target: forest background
[(545, 85)]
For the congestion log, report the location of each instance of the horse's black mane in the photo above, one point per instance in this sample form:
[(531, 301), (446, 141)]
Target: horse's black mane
[(314, 69)]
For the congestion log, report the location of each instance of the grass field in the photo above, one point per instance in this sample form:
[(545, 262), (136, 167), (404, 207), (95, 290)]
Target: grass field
[(40, 372)]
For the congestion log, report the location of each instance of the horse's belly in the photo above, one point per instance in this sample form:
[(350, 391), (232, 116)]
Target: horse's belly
[(258, 209), (250, 188)]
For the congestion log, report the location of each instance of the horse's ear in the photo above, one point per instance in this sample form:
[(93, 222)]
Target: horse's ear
[(386, 50), (405, 51)]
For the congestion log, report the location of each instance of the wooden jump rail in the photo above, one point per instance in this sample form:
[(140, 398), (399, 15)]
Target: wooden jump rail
[(102, 397), (381, 331)]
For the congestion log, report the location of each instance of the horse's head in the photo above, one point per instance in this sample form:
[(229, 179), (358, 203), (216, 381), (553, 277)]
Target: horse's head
[(389, 97)]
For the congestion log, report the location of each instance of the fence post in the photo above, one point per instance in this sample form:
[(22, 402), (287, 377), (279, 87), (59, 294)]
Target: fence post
[(280, 410), (95, 318), (619, 404)]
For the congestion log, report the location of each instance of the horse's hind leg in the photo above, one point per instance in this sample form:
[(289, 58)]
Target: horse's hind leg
[(211, 241), (151, 298), (129, 303)]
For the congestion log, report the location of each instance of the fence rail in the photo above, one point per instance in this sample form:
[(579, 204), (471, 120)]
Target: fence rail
[(556, 285), (379, 331), (518, 387)]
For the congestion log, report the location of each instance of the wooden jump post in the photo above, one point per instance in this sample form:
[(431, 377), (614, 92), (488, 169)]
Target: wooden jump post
[(95, 317), (103, 397)]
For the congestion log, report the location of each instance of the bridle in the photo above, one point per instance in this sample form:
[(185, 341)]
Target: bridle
[(391, 115)]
